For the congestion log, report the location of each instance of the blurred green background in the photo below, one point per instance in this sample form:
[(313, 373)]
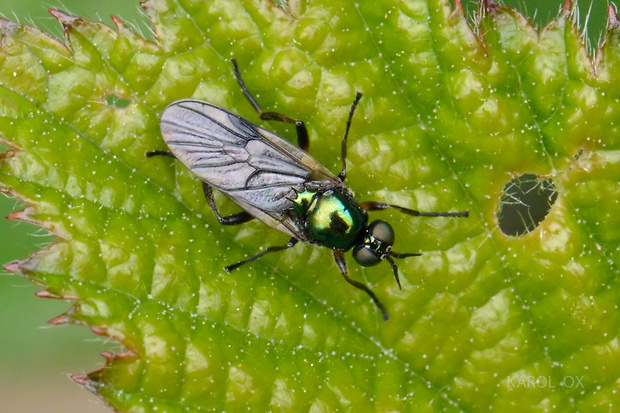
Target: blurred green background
[(35, 358)]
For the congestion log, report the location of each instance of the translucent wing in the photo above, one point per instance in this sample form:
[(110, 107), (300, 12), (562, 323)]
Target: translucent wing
[(255, 168)]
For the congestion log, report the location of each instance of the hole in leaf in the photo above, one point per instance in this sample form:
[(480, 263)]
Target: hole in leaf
[(118, 102), (526, 201)]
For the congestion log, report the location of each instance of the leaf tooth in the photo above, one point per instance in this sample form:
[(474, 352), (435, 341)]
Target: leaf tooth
[(65, 19), (61, 319), (24, 215), (111, 356), (108, 356), (15, 267), (567, 7), (22, 267), (120, 25), (49, 294), (458, 6), (85, 381), (46, 294), (80, 378), (100, 331), (17, 216), (612, 17)]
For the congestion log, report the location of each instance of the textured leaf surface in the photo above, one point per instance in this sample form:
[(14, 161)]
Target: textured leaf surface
[(448, 118)]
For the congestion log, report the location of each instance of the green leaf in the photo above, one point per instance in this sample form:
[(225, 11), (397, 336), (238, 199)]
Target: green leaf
[(450, 116)]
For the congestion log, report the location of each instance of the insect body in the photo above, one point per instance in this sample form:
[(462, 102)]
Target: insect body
[(278, 183)]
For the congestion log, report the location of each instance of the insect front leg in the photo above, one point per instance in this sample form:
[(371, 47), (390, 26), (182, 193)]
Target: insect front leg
[(302, 133), (292, 242), (379, 206), (342, 266), (233, 219)]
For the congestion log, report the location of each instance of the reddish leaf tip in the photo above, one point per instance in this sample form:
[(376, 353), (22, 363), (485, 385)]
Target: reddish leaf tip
[(64, 18), (61, 319), (16, 216), (22, 215), (612, 17), (118, 22), (99, 331), (108, 356), (85, 381), (567, 6), (15, 267), (45, 294), (458, 5), (80, 379)]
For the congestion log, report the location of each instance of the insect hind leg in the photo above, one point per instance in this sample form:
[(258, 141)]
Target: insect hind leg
[(292, 242), (302, 133), (233, 219), (159, 153)]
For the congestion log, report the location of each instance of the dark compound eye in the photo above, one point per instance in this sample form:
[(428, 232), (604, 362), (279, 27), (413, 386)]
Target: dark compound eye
[(365, 256), (382, 232), (379, 238)]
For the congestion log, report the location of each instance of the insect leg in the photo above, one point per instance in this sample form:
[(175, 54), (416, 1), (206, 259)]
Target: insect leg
[(157, 153), (234, 219), (379, 206), (389, 256), (290, 244), (343, 174), (342, 266), (302, 133)]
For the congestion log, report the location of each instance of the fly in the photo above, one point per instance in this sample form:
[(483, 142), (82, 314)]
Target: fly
[(280, 184)]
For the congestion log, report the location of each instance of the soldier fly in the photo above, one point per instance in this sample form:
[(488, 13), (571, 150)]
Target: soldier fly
[(280, 184)]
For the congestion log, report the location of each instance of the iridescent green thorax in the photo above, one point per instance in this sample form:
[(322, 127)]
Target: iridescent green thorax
[(303, 201), (330, 218)]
